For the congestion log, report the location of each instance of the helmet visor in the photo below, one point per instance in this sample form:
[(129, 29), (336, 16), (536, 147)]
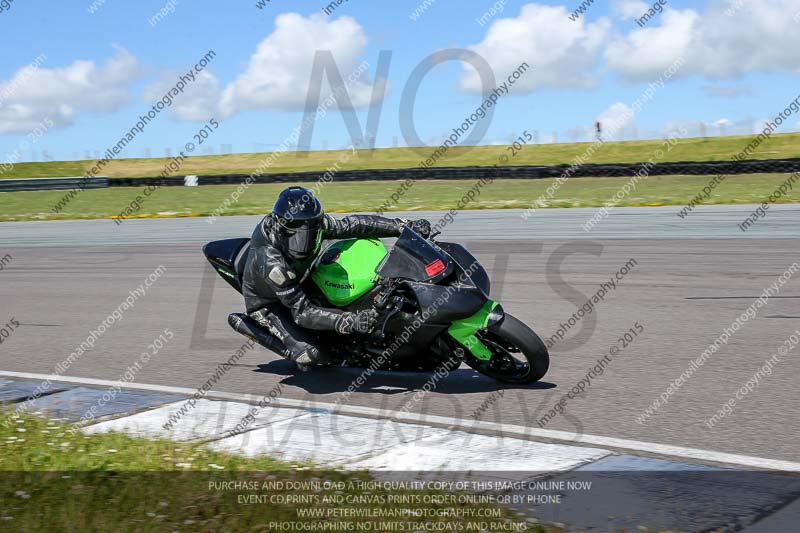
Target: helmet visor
[(301, 238)]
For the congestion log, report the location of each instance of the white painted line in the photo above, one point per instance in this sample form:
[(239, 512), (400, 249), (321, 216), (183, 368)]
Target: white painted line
[(466, 425)]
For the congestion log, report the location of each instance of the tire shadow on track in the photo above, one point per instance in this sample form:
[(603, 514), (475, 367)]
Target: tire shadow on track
[(332, 380)]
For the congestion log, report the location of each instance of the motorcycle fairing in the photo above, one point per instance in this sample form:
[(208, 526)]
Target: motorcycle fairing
[(228, 258), (463, 331), (414, 258), (445, 303), (346, 269), (469, 264)]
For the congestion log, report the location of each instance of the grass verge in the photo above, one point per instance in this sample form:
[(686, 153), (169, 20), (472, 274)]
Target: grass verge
[(368, 196), (695, 149), (56, 480)]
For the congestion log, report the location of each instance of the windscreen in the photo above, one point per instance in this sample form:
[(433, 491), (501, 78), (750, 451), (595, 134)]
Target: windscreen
[(415, 258)]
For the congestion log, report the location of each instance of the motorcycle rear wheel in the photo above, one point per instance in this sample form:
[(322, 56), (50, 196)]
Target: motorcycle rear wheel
[(518, 354)]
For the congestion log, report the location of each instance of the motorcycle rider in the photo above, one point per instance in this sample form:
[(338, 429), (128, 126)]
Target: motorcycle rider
[(283, 248)]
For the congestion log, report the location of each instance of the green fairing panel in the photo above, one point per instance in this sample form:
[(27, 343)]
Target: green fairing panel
[(346, 269), (464, 331)]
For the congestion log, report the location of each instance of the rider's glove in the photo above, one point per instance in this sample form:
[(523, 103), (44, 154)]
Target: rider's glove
[(358, 322), (421, 226)]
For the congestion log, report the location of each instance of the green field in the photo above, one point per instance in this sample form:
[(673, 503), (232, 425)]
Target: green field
[(695, 149), (52, 479), (368, 196)]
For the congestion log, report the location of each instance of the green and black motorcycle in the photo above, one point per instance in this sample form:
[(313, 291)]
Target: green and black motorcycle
[(433, 303)]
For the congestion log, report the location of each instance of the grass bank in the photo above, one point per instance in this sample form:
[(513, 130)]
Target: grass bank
[(54, 480), (695, 149), (368, 196)]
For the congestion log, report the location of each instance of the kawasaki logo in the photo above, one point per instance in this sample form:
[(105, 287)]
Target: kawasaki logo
[(346, 286)]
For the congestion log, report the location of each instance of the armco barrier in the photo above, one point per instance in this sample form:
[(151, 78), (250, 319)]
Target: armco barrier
[(49, 184), (771, 166), (765, 166)]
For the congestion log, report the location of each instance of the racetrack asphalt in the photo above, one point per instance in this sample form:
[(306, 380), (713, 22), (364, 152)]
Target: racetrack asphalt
[(692, 278)]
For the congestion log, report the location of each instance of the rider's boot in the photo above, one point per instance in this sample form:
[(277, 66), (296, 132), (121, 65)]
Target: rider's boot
[(304, 355)]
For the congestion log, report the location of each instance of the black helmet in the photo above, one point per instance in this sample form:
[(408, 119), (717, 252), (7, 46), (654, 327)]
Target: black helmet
[(298, 219)]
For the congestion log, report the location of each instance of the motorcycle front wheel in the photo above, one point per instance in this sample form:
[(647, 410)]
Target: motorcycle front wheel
[(518, 354)]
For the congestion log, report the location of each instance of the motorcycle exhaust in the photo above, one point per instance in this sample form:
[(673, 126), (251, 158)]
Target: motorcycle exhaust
[(248, 327)]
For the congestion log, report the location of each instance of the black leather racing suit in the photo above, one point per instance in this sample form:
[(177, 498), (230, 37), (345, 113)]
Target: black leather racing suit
[(271, 284)]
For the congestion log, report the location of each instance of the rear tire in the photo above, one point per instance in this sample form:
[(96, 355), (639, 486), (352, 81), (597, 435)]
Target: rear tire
[(518, 354)]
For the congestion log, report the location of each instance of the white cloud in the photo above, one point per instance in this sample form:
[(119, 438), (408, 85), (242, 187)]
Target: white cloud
[(645, 53), (681, 127), (715, 44), (561, 53), (59, 93), (760, 124), (630, 9), (199, 100), (745, 126), (278, 73), (728, 91), (615, 119)]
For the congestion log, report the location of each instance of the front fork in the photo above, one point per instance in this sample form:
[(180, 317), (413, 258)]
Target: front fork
[(463, 331)]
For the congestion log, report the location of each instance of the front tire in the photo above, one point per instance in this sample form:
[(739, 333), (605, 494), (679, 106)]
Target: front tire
[(518, 354)]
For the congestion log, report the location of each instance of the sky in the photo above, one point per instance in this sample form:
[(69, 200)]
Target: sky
[(76, 76)]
